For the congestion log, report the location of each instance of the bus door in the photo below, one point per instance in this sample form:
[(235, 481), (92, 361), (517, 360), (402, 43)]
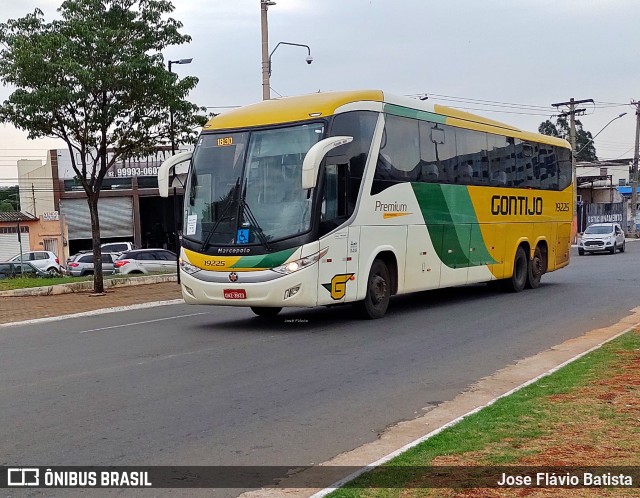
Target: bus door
[(336, 280), (333, 278)]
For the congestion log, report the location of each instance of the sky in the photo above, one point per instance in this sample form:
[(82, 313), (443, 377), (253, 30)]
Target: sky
[(507, 60)]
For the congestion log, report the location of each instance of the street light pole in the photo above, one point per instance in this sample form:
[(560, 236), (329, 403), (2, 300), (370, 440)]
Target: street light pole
[(309, 58), (176, 211), (171, 130), (634, 174), (266, 56), (594, 137), (575, 154)]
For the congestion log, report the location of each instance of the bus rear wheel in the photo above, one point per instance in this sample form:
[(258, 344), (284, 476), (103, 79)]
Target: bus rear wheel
[(265, 312), (536, 269), (518, 280), (376, 301)]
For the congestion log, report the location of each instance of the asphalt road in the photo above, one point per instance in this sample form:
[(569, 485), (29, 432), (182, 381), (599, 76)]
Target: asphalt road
[(186, 385)]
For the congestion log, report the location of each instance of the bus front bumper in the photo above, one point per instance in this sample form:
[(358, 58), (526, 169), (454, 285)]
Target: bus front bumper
[(298, 289)]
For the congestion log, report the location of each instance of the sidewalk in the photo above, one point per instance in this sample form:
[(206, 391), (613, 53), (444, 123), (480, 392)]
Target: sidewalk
[(15, 309)]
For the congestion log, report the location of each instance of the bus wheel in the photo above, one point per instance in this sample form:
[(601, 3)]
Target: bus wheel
[(535, 269), (519, 278), (265, 312), (378, 292)]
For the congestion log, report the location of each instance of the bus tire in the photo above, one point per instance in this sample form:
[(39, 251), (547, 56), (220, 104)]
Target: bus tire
[(265, 312), (535, 270), (378, 292), (518, 280)]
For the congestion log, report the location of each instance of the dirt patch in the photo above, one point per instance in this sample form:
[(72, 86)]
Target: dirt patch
[(595, 425)]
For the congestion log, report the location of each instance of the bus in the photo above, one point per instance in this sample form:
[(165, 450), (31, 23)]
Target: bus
[(357, 196)]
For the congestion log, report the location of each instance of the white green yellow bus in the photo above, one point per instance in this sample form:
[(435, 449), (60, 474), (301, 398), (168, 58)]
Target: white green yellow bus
[(353, 197)]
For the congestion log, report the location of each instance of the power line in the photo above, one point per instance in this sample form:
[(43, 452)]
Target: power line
[(500, 111), (495, 103)]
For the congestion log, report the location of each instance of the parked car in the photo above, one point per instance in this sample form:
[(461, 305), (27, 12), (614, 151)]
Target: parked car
[(145, 261), (11, 269), (43, 260), (116, 247), (601, 237), (81, 264)]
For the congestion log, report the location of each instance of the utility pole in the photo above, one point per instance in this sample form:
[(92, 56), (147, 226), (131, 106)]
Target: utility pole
[(266, 90), (634, 174), (33, 197), (572, 139)]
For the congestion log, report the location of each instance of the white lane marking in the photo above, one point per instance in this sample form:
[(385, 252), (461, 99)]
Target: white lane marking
[(115, 309), (338, 484), (142, 323)]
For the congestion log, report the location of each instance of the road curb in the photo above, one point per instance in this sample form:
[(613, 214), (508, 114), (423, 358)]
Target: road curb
[(87, 285)]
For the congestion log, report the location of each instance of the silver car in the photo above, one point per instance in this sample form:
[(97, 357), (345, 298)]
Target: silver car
[(81, 264), (601, 237), (146, 261)]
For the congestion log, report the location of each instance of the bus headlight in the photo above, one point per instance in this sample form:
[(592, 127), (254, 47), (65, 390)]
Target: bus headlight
[(188, 267), (299, 264)]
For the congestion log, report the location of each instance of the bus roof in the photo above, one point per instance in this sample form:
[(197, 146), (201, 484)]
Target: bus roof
[(290, 109), (312, 106)]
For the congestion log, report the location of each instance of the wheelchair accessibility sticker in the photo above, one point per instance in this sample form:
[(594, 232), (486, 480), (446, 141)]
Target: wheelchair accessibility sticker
[(242, 237)]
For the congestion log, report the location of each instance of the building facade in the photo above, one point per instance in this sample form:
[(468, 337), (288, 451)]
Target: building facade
[(130, 207)]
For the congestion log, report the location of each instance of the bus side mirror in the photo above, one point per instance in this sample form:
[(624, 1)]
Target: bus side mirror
[(165, 170), (314, 157)]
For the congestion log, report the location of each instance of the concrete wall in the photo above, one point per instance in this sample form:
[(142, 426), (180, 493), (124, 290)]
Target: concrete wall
[(600, 195), (36, 187), (42, 231)]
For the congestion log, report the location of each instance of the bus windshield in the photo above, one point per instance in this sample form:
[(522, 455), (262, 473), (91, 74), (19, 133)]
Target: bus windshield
[(246, 187)]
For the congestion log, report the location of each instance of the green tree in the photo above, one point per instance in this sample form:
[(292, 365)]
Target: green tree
[(96, 78), (585, 148), (9, 198), (6, 206)]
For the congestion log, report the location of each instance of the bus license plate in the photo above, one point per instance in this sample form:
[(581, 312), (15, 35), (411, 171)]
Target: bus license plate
[(235, 294)]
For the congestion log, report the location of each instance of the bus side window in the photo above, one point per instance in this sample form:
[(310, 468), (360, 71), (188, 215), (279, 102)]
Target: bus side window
[(564, 167), (431, 137), (360, 125), (500, 160), (473, 163), (334, 208), (527, 165), (437, 152), (399, 158)]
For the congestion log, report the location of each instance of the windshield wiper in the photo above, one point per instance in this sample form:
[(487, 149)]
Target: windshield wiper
[(244, 207), (222, 218)]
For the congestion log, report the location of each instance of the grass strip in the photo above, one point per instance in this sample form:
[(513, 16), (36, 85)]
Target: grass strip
[(567, 418), (30, 282)]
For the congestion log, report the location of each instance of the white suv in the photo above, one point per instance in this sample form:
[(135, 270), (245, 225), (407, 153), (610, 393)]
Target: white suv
[(601, 237), (145, 261), (116, 247), (43, 260)]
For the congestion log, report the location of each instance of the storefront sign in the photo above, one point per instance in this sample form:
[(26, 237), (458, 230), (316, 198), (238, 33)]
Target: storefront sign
[(50, 216)]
